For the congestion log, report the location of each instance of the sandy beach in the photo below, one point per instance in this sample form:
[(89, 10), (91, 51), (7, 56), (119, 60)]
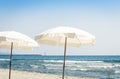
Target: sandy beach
[(32, 75)]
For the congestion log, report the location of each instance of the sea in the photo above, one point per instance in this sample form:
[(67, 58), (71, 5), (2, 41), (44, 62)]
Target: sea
[(102, 67)]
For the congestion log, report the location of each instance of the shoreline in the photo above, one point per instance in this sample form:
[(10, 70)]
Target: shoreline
[(15, 74)]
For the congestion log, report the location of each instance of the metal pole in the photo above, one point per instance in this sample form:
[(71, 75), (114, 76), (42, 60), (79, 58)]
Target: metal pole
[(10, 60), (64, 57)]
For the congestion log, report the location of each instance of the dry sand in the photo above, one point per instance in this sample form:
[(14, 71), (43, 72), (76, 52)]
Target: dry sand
[(32, 75)]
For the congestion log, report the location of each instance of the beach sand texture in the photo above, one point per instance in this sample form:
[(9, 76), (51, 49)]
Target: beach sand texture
[(32, 75)]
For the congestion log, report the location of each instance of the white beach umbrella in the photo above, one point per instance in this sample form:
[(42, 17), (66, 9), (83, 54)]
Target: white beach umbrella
[(12, 39), (66, 36)]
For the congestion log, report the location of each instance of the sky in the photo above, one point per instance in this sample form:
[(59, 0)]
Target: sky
[(31, 17)]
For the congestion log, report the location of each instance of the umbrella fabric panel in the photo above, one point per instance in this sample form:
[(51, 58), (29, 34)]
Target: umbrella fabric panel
[(20, 41), (56, 36), (67, 30), (15, 45), (70, 42)]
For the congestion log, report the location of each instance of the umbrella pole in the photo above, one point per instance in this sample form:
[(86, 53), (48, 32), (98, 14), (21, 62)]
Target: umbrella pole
[(64, 57), (10, 60)]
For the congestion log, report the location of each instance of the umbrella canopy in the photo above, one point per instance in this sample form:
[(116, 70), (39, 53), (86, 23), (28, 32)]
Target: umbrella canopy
[(12, 39), (20, 40), (66, 36), (56, 36)]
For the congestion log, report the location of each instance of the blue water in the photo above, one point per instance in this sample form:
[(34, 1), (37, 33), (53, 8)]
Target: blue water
[(102, 67)]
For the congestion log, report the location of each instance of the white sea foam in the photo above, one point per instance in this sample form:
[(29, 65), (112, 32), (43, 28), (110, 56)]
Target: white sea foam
[(4, 59), (34, 66), (72, 61), (100, 67), (82, 69), (117, 71), (81, 64), (53, 65), (117, 65), (59, 61)]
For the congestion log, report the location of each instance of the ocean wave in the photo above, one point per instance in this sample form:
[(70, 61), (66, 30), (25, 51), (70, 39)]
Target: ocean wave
[(56, 68), (34, 66), (59, 61), (117, 71), (82, 65), (53, 65), (72, 61), (112, 61), (4, 59), (117, 65), (81, 69), (100, 67)]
